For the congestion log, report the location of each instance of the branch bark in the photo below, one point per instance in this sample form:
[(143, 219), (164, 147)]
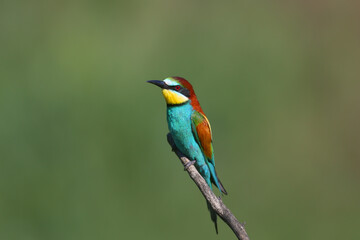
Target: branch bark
[(216, 203)]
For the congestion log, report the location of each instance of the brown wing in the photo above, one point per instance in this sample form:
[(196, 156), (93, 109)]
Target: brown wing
[(202, 132)]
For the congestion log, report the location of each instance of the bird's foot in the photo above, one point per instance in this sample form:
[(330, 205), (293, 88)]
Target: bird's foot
[(188, 164)]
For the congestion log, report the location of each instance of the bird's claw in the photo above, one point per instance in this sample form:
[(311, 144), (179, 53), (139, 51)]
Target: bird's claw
[(188, 164)]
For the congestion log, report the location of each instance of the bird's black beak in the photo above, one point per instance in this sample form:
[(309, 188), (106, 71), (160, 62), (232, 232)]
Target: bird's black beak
[(158, 83)]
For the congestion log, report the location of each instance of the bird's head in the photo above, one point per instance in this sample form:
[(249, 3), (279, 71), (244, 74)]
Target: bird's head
[(176, 90)]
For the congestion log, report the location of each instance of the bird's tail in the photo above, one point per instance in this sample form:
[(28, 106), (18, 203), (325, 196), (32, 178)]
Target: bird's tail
[(213, 216), (215, 179), (222, 189)]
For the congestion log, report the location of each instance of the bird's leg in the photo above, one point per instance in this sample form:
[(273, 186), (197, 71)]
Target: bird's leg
[(188, 164)]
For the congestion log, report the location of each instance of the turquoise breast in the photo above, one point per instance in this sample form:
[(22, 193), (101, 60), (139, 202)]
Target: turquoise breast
[(179, 123)]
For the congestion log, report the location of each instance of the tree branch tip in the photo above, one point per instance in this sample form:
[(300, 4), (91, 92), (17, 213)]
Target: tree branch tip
[(218, 206)]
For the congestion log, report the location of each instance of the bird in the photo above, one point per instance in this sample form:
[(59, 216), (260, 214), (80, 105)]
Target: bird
[(190, 130)]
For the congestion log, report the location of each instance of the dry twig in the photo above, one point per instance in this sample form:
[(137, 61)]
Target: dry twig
[(216, 203)]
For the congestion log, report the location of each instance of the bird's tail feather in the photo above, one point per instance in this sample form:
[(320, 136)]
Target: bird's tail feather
[(215, 179), (213, 216), (222, 189)]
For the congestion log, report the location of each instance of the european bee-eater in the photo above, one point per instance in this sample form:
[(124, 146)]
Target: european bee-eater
[(190, 129)]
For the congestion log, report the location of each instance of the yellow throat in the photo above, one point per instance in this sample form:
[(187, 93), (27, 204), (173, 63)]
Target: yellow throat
[(173, 98)]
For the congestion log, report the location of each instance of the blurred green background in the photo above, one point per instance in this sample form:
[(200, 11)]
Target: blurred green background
[(83, 137)]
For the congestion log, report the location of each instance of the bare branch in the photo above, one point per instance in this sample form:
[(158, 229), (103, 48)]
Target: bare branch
[(216, 203)]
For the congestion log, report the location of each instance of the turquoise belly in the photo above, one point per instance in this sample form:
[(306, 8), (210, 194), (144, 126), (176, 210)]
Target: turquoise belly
[(179, 122)]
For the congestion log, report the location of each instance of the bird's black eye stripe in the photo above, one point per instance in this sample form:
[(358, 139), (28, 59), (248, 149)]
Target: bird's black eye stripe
[(185, 92), (176, 88), (181, 90)]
